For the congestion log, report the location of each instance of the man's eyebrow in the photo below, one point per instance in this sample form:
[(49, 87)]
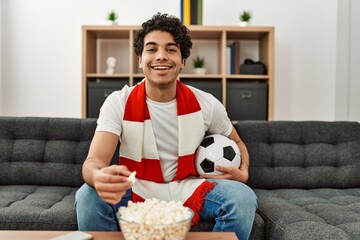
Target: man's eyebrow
[(150, 43), (172, 44), (167, 44)]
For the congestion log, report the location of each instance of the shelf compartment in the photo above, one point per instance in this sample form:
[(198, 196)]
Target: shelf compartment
[(98, 91), (247, 100), (212, 86)]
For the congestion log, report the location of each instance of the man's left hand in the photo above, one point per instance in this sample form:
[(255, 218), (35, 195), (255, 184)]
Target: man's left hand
[(231, 173)]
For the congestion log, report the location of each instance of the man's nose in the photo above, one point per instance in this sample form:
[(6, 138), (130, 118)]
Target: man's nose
[(161, 54)]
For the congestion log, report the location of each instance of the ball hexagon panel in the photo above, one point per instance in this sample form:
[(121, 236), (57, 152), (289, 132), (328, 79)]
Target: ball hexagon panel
[(214, 152)]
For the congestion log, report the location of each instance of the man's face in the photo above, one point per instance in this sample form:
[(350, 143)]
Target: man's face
[(161, 59)]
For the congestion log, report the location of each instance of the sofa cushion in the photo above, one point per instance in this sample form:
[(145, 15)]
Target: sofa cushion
[(44, 151), (257, 232), (310, 214), (302, 154), (37, 208)]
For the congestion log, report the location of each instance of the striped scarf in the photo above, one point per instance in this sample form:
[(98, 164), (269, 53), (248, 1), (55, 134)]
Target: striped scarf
[(139, 152)]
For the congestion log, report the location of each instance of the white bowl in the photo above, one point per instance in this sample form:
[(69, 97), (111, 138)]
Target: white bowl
[(141, 231)]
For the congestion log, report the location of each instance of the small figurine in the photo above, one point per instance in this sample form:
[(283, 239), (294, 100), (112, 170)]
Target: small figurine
[(110, 62)]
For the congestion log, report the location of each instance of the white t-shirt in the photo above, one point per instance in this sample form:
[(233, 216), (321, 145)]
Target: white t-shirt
[(164, 122)]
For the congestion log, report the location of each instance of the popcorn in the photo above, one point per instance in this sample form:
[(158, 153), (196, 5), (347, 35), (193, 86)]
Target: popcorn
[(155, 219), (132, 178)]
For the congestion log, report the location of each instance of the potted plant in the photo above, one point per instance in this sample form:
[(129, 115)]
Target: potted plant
[(245, 18), (112, 17), (199, 65)]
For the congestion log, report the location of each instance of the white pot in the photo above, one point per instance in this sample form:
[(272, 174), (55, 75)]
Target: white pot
[(199, 71), (243, 24)]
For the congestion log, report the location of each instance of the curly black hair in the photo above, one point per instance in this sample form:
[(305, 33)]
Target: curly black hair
[(166, 23)]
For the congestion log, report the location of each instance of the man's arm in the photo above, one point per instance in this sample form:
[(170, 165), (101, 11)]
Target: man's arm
[(109, 181), (240, 174)]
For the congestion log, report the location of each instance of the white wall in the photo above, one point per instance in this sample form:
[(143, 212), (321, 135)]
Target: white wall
[(343, 66), (42, 50), (42, 47), (0, 57), (305, 51), (354, 81), (348, 58)]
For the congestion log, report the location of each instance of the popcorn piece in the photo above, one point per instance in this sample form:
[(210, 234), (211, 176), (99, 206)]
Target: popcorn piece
[(131, 178)]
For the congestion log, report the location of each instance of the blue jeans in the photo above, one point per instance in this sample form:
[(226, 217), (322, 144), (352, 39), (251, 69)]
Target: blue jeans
[(231, 204)]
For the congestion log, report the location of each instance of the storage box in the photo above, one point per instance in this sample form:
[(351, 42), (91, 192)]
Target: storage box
[(247, 101), (98, 91), (212, 87)]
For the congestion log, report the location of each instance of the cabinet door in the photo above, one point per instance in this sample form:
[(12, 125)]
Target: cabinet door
[(212, 87), (98, 91), (247, 101)]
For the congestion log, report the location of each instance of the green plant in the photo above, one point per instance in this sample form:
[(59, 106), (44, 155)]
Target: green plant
[(198, 62), (245, 16), (112, 16)]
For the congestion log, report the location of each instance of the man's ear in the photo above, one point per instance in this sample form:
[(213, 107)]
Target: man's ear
[(183, 63), (140, 66)]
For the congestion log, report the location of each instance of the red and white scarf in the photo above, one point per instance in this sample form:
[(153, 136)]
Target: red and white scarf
[(139, 151)]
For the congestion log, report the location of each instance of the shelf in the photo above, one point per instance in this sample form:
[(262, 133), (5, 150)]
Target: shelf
[(211, 42), (247, 76), (205, 76), (104, 75)]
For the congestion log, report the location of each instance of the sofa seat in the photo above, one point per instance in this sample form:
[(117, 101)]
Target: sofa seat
[(37, 207), (322, 213), (257, 232)]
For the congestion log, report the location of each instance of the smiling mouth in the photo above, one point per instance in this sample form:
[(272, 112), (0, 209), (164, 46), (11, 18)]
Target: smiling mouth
[(161, 67)]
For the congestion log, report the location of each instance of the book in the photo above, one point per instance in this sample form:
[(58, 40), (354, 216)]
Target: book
[(193, 12), (199, 12), (187, 10)]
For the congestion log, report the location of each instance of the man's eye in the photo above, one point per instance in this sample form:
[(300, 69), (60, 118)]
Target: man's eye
[(172, 50), (151, 50)]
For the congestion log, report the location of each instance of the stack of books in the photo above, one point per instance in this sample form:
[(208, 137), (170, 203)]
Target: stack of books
[(232, 57), (191, 12)]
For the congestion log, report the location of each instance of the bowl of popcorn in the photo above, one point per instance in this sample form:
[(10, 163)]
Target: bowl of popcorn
[(155, 219)]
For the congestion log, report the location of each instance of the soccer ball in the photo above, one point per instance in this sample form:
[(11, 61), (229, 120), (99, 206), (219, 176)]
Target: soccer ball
[(215, 150)]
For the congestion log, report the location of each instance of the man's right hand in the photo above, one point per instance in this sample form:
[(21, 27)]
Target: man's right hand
[(111, 182)]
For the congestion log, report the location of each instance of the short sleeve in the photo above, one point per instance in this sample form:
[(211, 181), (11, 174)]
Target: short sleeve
[(112, 112), (215, 116), (220, 122)]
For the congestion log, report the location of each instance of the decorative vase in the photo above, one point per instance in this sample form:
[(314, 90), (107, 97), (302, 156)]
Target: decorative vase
[(243, 24), (199, 71)]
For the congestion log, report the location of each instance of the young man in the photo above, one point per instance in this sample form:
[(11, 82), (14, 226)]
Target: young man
[(160, 123)]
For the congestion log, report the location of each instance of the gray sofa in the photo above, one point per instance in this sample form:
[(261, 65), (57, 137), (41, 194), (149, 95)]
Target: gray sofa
[(305, 174)]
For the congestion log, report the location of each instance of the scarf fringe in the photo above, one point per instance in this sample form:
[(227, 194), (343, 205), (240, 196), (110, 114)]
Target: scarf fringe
[(196, 200)]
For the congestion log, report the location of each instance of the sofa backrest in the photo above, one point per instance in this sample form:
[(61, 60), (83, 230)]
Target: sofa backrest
[(310, 154), (44, 151)]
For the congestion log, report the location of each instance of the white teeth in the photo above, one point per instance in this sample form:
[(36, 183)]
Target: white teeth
[(161, 68)]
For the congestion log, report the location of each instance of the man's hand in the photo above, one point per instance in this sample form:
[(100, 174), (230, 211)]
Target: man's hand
[(111, 183), (231, 173), (240, 174)]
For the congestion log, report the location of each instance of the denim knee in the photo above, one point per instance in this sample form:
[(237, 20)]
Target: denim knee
[(86, 195), (93, 214), (232, 204), (235, 193)]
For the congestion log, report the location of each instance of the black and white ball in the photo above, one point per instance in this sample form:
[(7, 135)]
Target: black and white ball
[(216, 150)]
